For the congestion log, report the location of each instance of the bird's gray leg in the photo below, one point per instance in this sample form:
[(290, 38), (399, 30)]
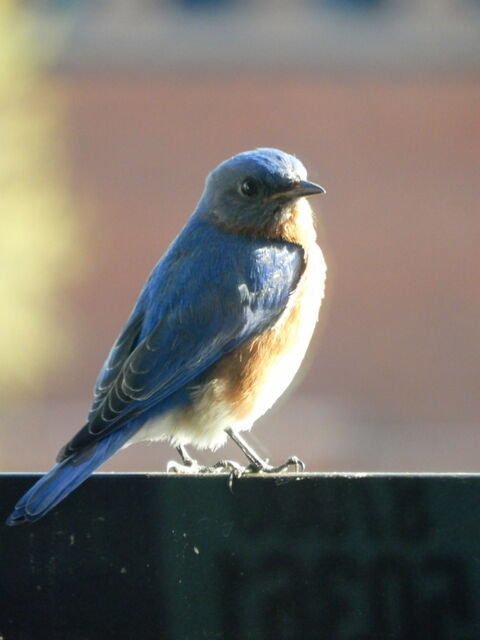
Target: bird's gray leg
[(257, 463), (189, 464), (185, 456)]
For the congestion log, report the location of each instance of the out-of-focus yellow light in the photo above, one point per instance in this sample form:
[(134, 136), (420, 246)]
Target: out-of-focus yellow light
[(38, 230)]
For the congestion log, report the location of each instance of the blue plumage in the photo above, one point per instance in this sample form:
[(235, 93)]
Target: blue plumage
[(226, 279)]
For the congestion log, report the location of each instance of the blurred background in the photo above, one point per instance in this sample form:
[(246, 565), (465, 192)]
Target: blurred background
[(111, 115)]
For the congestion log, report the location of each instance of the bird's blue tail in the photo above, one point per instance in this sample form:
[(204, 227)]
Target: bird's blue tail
[(64, 477)]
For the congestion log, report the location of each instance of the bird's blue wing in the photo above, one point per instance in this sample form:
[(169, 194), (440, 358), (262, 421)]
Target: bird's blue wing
[(210, 292), (123, 347)]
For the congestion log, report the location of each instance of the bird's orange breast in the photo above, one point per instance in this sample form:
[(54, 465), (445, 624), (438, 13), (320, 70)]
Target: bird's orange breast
[(255, 374)]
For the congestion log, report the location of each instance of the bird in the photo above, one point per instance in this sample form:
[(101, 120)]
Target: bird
[(217, 334)]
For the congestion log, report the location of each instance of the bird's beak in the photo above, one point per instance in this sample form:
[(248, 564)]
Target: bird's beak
[(306, 188), (300, 189)]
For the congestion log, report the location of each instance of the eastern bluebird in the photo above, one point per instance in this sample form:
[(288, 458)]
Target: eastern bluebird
[(217, 334)]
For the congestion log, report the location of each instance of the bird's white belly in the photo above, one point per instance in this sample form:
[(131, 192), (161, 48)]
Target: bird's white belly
[(267, 365)]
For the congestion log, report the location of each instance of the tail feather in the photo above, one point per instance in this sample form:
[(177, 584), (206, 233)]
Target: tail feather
[(63, 478)]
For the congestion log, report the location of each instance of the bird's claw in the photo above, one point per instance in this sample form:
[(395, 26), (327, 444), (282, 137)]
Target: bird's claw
[(187, 467), (227, 465), (234, 469), (264, 467)]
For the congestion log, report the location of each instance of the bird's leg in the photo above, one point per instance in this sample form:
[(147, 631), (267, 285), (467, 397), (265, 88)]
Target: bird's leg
[(185, 456), (189, 464), (257, 463)]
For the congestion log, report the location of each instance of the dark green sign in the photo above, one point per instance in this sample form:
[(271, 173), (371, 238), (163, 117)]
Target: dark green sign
[(312, 556)]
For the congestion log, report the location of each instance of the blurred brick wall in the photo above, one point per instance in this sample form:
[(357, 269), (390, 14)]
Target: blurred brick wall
[(396, 366)]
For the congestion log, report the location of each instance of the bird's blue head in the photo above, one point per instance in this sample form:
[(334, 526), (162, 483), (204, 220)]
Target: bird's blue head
[(255, 190)]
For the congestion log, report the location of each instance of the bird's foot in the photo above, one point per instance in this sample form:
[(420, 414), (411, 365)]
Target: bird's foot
[(188, 466), (234, 469), (192, 466), (230, 466), (262, 466)]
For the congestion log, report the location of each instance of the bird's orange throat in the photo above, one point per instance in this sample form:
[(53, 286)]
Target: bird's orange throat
[(296, 225)]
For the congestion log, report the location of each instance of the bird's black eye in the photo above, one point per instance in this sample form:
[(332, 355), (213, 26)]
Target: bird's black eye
[(249, 187)]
